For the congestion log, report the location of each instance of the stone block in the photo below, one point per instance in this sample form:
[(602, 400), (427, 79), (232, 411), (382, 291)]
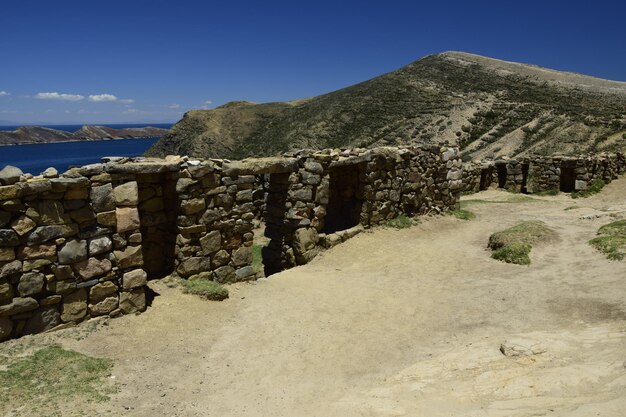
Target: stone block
[(74, 306), (23, 225), (100, 245), (31, 283), (133, 301), (102, 198), (44, 318), (18, 305), (134, 279), (127, 219), (92, 267), (126, 194), (104, 307), (224, 274), (211, 242), (73, 251)]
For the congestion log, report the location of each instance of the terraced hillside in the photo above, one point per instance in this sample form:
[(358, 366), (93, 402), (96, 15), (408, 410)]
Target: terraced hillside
[(488, 106)]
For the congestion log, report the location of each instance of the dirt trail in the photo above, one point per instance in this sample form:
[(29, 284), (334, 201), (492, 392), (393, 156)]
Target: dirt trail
[(394, 323)]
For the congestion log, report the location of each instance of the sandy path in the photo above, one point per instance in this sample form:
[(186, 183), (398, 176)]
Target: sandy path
[(399, 323)]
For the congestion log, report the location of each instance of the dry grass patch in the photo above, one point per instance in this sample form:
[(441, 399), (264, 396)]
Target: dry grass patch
[(611, 240), (202, 286), (513, 245)]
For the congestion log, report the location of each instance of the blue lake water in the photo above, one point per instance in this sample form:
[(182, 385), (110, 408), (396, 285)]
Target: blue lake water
[(38, 157)]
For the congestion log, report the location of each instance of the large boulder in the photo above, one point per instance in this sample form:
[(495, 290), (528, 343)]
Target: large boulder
[(10, 175)]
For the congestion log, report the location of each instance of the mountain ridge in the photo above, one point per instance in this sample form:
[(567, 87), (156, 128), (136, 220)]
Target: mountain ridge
[(36, 134), (488, 107)]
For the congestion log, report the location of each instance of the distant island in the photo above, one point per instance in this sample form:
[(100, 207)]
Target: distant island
[(35, 134)]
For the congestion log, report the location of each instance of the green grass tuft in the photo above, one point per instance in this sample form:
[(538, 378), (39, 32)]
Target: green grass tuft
[(463, 214), (594, 187), (45, 382), (547, 192), (611, 240), (205, 288), (514, 253), (257, 258), (514, 244), (400, 222)]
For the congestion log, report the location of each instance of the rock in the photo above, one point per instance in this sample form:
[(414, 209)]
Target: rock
[(104, 307), (8, 237), (101, 291), (18, 305), (35, 264), (46, 233), (62, 272), (127, 219), (304, 239), (126, 194), (107, 218), (211, 242), (580, 185), (51, 299), (82, 215), (7, 254), (221, 258), (183, 183), (192, 206), (133, 301), (50, 173), (31, 283), (74, 307), (10, 175), (224, 274), (62, 287), (6, 291), (23, 225), (102, 198), (521, 347), (129, 257), (100, 245), (13, 267), (73, 251), (134, 279), (6, 325), (242, 256), (51, 212), (194, 265), (245, 273), (44, 318), (92, 267)]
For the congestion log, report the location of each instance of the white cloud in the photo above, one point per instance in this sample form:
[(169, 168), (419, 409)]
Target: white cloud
[(59, 96), (174, 106), (102, 97), (4, 93), (208, 102), (127, 101)]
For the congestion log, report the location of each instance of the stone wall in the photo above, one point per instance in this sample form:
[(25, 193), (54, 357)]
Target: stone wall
[(542, 174), (84, 244)]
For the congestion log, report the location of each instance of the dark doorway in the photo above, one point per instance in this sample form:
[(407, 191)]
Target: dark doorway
[(501, 169), (275, 227), (485, 178), (525, 170), (158, 206), (568, 178), (344, 203)]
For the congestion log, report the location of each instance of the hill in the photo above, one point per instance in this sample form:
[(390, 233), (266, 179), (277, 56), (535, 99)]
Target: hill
[(487, 106), (35, 134)]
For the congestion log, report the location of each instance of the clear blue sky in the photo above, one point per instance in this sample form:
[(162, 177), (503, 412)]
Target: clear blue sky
[(149, 61)]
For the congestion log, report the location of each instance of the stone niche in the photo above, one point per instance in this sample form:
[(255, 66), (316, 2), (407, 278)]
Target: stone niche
[(567, 180), (345, 199)]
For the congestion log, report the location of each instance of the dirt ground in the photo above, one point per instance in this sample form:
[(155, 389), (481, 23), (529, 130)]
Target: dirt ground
[(392, 323)]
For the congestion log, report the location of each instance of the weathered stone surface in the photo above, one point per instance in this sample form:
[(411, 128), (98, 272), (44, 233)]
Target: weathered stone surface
[(193, 205), (62, 272), (18, 305), (242, 274), (31, 283), (304, 239), (23, 225), (44, 318), (51, 299), (8, 192), (211, 242), (129, 257), (102, 198), (522, 347), (74, 306), (7, 254), (134, 279), (83, 215), (35, 264), (270, 165), (92, 267), (183, 183), (221, 258), (50, 172), (193, 265), (10, 175), (103, 307), (6, 291), (46, 233), (126, 194), (51, 212), (133, 301), (242, 256), (8, 237), (73, 251), (10, 268), (101, 291), (100, 245), (6, 326), (107, 218), (224, 274), (62, 287), (127, 219)]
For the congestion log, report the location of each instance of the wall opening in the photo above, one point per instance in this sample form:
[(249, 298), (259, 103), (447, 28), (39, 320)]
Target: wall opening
[(525, 171), (344, 202), (568, 178), (501, 170), (275, 228), (485, 178), (158, 206)]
